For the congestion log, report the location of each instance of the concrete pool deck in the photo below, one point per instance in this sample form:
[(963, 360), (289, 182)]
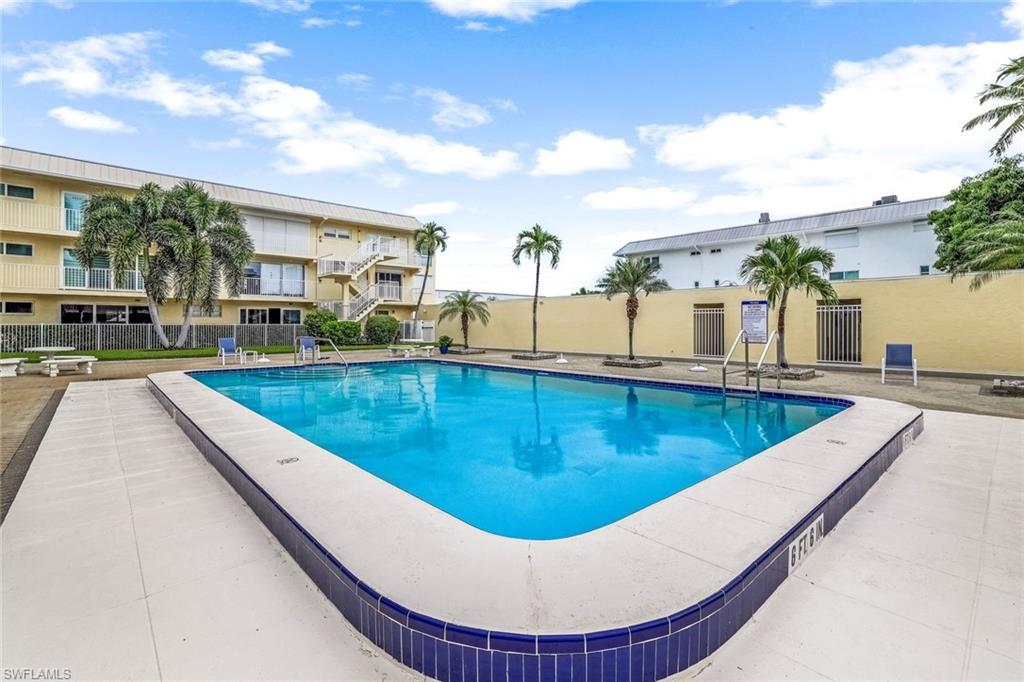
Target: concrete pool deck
[(944, 520)]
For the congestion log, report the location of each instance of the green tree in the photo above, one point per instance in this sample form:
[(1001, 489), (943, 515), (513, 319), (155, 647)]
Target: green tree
[(382, 329), (780, 264), (534, 243), (185, 244), (979, 229), (632, 276), (583, 291), (1008, 89), (467, 307), (316, 321), (429, 239)]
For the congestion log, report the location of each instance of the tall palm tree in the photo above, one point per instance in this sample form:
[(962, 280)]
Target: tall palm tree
[(1011, 92), (185, 243), (534, 243), (780, 264), (466, 306), (429, 239), (999, 247), (632, 276)]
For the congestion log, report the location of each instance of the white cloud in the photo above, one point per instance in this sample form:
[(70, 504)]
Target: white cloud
[(1013, 16), (581, 151), (218, 145), (358, 81), (246, 62), (640, 198), (82, 67), (481, 26), (281, 5), (177, 97), (352, 23), (452, 112), (889, 125), (318, 22), (16, 7), (433, 208), (513, 10), (504, 104), (88, 120)]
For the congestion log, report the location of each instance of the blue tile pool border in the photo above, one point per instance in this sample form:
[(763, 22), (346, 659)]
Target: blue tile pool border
[(454, 652)]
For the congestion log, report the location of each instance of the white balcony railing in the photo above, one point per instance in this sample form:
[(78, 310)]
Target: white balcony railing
[(261, 286), (358, 305), (28, 215), (29, 276), (366, 254), (100, 279)]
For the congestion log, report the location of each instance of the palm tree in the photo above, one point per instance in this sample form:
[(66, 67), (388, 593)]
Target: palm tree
[(184, 243), (1012, 93), (780, 264), (429, 239), (534, 243), (632, 276), (999, 247), (466, 306)]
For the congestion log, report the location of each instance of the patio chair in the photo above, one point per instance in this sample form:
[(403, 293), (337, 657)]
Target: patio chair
[(226, 348), (899, 357), (307, 344)]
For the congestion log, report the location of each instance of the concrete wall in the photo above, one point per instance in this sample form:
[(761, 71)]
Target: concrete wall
[(950, 327)]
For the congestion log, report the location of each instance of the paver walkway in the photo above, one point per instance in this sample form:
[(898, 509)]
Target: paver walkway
[(125, 555)]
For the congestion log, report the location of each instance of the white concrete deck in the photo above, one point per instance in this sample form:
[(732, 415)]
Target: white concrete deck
[(126, 556), (656, 561), (101, 572)]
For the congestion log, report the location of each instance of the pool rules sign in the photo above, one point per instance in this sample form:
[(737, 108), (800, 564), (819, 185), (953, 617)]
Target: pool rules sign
[(754, 316)]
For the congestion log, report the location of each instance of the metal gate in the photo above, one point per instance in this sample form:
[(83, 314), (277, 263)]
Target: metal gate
[(839, 334), (709, 332)]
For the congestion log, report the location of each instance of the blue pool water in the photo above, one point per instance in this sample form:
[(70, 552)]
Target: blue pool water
[(524, 455)]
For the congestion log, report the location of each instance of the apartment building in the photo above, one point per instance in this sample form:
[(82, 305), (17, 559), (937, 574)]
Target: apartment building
[(355, 261), (890, 238)]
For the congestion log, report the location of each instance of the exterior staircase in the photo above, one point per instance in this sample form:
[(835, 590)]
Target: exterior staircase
[(367, 255), (364, 302)]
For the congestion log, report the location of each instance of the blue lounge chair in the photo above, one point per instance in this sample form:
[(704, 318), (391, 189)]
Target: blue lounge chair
[(307, 344), (899, 357), (226, 347)]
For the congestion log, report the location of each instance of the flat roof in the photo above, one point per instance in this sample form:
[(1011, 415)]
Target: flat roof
[(29, 161), (835, 220)]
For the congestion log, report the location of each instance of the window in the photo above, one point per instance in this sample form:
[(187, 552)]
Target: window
[(844, 275), (253, 316), (17, 307), (841, 239), (696, 284), (277, 235), (383, 312), (393, 277), (652, 259), (922, 225), (275, 279), (716, 251), (75, 313), (716, 282), (926, 269), (269, 316), (291, 316), (695, 253), (139, 314), (74, 210), (17, 191), (213, 311), (17, 249), (337, 233), (111, 314)]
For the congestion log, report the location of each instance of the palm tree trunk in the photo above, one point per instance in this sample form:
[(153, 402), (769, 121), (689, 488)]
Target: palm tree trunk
[(631, 338), (419, 301), (783, 362), (154, 318), (465, 330), (632, 308), (186, 323), (536, 292)]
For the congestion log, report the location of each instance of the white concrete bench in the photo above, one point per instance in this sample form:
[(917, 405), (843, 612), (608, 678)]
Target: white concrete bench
[(81, 363), (10, 367)]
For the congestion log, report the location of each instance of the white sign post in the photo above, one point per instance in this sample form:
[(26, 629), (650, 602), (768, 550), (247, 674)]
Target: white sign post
[(754, 318)]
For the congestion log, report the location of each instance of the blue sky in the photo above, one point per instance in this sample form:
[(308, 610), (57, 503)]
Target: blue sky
[(602, 121)]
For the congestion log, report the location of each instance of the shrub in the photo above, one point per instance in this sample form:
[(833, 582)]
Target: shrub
[(316, 320), (343, 332), (382, 329), (445, 340)]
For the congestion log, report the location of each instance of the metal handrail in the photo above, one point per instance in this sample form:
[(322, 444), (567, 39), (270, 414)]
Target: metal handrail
[(318, 339), (760, 362), (732, 349)]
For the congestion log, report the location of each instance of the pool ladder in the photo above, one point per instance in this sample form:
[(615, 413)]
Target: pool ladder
[(742, 336), (318, 339)]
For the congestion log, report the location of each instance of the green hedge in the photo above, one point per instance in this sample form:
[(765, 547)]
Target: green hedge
[(382, 329)]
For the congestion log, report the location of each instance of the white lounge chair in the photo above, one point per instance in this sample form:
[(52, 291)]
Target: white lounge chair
[(899, 357)]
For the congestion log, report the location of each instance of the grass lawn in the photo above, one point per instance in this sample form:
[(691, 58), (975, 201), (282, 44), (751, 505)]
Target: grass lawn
[(175, 353)]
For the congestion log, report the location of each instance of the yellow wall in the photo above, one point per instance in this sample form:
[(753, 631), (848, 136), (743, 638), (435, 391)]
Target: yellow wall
[(950, 327)]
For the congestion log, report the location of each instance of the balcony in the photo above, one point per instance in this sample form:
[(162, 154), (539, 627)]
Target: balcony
[(44, 278), (29, 216), (100, 279), (263, 286)]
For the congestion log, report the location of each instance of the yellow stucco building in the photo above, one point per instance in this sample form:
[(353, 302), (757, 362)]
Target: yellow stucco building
[(355, 261)]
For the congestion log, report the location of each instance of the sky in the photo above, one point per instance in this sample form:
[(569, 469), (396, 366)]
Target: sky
[(601, 121)]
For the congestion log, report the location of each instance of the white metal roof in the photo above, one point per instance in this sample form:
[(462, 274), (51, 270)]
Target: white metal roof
[(900, 211), (243, 197)]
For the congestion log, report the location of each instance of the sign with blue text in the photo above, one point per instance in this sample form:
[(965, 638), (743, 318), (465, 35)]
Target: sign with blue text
[(754, 316)]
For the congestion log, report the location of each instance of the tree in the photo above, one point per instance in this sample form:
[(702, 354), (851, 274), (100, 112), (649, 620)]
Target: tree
[(1011, 92), (466, 306), (632, 276), (429, 239), (534, 243), (185, 244), (780, 264), (978, 230), (583, 291)]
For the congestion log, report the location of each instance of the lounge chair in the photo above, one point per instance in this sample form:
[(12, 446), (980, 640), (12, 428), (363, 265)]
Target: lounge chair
[(899, 357), (226, 347), (307, 344)]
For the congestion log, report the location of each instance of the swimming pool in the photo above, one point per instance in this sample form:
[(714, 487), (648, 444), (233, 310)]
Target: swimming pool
[(517, 453)]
